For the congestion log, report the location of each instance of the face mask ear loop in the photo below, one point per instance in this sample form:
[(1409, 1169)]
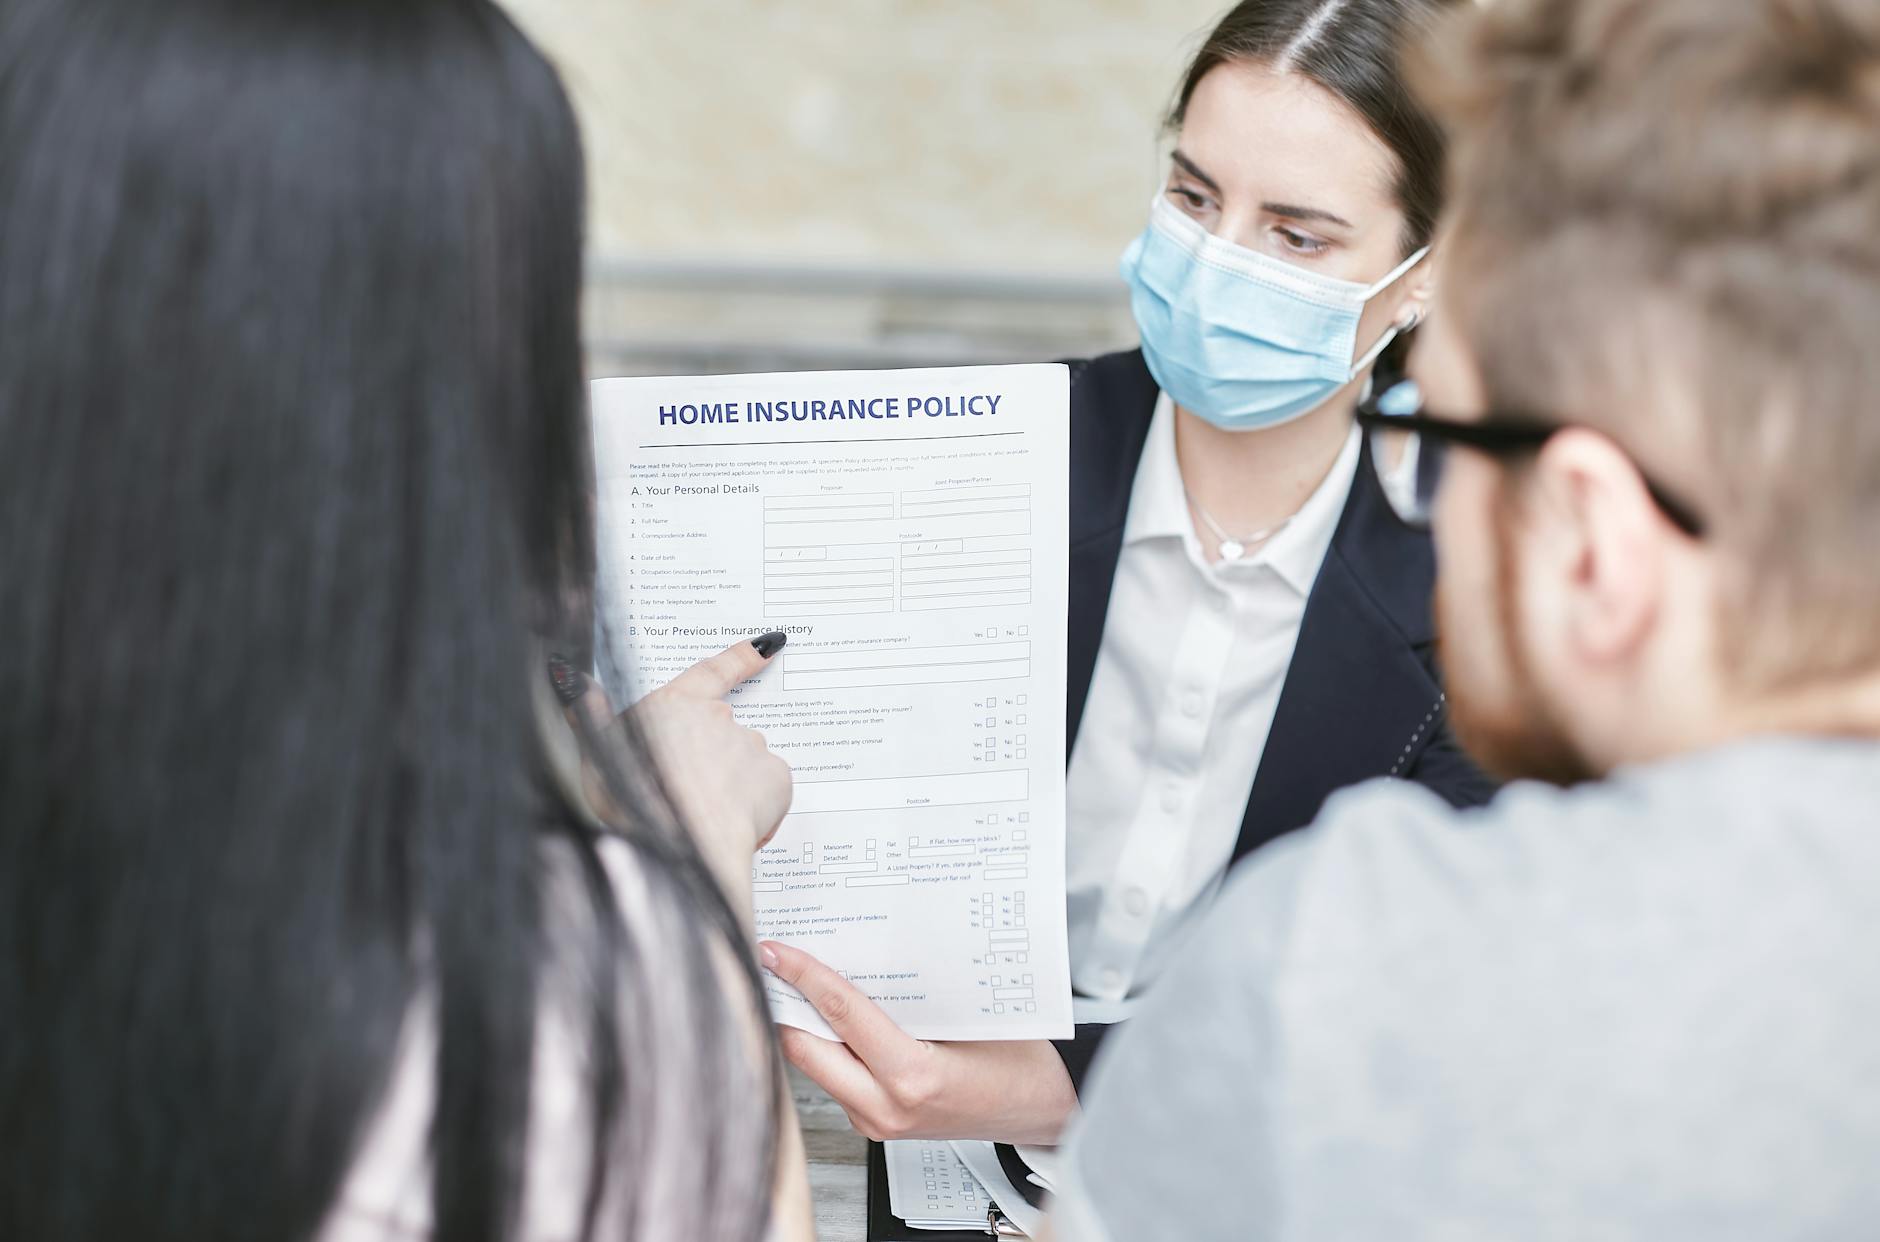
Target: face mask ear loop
[(1390, 334), (1396, 274), (1371, 355)]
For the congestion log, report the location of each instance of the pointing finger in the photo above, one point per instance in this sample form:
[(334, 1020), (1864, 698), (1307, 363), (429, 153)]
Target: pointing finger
[(716, 676)]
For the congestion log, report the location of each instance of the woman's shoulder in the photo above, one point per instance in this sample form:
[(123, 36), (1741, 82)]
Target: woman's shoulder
[(1113, 384), (1112, 400), (585, 883)]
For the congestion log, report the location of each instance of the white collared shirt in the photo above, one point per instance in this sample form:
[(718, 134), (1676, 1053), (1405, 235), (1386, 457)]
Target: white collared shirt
[(1187, 679)]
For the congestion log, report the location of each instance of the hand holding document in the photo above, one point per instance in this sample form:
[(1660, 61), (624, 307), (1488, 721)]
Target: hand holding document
[(907, 529)]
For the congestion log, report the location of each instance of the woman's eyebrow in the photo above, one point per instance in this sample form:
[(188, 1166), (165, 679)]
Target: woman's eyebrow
[(1292, 212), (1289, 210), (1194, 170)]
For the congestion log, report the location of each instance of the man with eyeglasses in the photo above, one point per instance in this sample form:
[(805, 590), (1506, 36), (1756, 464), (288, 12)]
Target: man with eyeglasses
[(1637, 997)]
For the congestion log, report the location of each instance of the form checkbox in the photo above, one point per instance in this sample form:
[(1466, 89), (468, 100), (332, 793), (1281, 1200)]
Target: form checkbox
[(1019, 835), (1024, 817), (992, 722), (1024, 631), (1020, 739), (1023, 699), (1019, 753)]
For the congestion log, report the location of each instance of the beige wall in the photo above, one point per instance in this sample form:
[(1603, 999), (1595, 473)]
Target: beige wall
[(1002, 136)]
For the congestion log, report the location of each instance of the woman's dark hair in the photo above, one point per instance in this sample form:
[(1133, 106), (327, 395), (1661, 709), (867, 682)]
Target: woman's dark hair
[(1350, 48), (294, 477)]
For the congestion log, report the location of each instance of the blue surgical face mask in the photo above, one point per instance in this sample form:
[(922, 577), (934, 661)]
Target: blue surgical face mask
[(1237, 338)]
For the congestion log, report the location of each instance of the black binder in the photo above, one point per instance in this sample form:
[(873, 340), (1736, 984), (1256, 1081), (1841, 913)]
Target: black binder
[(885, 1226)]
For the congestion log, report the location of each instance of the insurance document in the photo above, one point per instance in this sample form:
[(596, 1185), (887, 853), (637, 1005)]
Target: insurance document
[(908, 530)]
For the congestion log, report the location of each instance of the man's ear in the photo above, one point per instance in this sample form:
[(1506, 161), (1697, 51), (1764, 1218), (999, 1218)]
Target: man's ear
[(1608, 545)]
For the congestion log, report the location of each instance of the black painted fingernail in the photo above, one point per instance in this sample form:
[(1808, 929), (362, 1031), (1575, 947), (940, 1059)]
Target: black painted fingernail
[(569, 684), (770, 644)]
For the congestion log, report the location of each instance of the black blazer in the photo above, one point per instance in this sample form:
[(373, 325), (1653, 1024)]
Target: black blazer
[(1362, 697)]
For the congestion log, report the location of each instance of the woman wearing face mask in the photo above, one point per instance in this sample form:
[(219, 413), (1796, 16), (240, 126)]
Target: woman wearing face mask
[(1250, 630)]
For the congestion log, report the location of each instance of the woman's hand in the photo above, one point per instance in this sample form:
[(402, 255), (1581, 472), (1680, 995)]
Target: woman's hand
[(895, 1086), (732, 791)]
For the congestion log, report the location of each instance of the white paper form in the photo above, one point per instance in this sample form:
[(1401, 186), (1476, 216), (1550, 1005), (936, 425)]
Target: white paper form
[(930, 1187), (909, 530)]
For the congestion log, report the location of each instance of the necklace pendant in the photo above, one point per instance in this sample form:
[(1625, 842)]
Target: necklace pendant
[(1232, 549)]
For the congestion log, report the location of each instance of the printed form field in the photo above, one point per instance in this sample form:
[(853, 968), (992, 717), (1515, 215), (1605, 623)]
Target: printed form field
[(950, 548), (894, 793), (825, 555), (879, 867), (906, 666), (986, 562)]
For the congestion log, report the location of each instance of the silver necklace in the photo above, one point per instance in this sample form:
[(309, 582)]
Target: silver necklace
[(1233, 547)]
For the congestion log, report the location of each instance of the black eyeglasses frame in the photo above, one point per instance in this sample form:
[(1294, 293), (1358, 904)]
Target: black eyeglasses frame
[(1510, 435)]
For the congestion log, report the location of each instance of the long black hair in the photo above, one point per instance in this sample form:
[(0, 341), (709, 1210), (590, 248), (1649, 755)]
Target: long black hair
[(294, 478)]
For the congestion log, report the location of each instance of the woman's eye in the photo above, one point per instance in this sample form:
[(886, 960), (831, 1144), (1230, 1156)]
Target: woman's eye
[(1188, 199), (1300, 243)]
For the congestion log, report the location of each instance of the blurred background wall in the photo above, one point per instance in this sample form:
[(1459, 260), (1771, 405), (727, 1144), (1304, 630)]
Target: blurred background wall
[(786, 184)]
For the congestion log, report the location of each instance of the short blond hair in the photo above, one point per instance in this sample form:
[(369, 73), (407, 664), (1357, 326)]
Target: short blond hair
[(1666, 224)]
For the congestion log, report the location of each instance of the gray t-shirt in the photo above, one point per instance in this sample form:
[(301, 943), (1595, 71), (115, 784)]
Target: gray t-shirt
[(1644, 1009)]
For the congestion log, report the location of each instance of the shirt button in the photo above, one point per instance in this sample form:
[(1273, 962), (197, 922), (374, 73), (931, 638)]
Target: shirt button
[(1112, 978), (1136, 902), (1191, 705)]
